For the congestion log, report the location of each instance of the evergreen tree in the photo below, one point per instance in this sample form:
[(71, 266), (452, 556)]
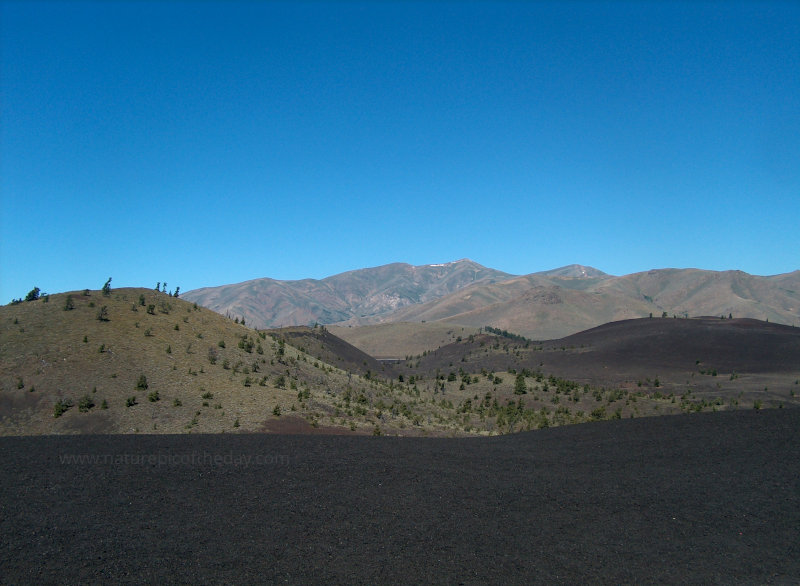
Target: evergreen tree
[(33, 294)]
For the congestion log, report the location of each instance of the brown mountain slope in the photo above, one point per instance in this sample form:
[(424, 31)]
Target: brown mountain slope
[(352, 295), (539, 306), (698, 292), (400, 339), (549, 312)]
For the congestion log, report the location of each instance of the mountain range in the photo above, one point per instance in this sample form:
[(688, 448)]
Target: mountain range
[(542, 305)]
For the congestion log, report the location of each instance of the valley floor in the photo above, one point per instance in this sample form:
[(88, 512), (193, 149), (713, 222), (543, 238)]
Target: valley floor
[(699, 498)]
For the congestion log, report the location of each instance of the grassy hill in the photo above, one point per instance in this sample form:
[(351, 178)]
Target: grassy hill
[(155, 363)]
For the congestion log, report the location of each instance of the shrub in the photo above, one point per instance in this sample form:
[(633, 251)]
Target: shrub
[(85, 404), (177, 403), (61, 406), (153, 396), (130, 401), (69, 303), (107, 288), (246, 344), (599, 413), (277, 411), (102, 315), (519, 385), (141, 384)]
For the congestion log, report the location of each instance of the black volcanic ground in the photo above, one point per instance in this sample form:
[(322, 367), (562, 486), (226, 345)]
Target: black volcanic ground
[(701, 498)]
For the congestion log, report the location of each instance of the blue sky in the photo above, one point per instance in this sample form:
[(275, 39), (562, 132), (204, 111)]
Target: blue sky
[(203, 143)]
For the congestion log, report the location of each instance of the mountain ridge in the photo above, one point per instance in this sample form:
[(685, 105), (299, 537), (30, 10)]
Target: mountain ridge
[(541, 305), (357, 293)]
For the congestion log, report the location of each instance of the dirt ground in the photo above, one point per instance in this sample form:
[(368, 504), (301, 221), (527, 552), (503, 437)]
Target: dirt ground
[(701, 498)]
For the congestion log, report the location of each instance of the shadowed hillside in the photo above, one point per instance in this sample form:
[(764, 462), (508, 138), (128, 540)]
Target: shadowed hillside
[(324, 346)]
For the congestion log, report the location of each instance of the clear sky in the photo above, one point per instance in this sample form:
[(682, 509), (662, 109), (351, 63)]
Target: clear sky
[(205, 143)]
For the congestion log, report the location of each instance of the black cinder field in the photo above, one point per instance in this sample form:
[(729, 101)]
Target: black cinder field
[(701, 498)]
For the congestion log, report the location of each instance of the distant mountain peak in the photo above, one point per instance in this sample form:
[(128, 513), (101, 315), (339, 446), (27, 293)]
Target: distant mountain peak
[(453, 262), (575, 271)]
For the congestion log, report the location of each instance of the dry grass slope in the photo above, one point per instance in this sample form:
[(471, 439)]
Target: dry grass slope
[(203, 372)]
